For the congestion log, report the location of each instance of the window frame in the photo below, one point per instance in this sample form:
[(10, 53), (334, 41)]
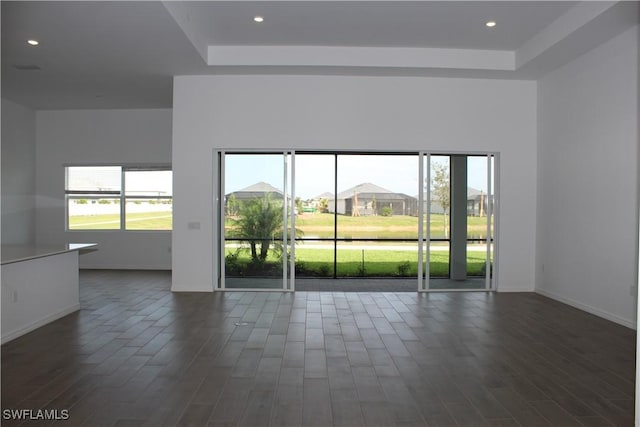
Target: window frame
[(120, 195)]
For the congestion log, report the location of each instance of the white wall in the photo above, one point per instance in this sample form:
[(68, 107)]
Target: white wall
[(100, 137), (360, 113), (587, 180), (18, 173)]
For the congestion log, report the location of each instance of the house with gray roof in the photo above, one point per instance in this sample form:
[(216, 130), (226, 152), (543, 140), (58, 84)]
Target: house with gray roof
[(368, 199), (256, 191)]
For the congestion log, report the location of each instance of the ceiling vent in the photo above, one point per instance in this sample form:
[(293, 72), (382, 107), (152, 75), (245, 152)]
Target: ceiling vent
[(26, 67)]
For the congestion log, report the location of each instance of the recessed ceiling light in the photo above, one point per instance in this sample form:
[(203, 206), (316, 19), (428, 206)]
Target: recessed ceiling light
[(33, 42), (258, 18), (491, 24)]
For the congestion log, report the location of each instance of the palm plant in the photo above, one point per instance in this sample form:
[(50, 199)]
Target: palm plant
[(258, 222)]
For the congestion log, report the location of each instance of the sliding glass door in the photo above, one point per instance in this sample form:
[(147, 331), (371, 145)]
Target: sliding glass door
[(255, 205), (458, 221), (344, 215)]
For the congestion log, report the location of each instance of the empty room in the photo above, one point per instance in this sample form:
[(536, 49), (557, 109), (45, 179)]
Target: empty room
[(327, 213)]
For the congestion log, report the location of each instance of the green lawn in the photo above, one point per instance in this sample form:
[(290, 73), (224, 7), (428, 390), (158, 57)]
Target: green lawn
[(312, 261), (135, 221), (377, 263), (320, 225)]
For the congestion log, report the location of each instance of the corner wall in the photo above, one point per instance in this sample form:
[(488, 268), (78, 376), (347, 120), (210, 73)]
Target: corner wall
[(18, 173), (94, 137), (587, 218), (350, 113)]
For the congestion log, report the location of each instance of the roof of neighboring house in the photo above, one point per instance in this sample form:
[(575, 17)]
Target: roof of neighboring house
[(366, 187), (256, 190), (472, 194), (325, 195)]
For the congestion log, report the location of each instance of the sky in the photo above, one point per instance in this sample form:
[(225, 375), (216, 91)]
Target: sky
[(109, 178), (315, 172)]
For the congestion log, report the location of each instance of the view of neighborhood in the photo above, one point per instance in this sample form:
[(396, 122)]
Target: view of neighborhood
[(365, 230)]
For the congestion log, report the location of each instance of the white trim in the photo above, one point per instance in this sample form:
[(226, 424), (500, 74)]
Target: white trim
[(428, 275), (589, 309), (420, 220), (285, 240), (496, 219), (487, 268), (38, 323), (219, 191), (292, 259)]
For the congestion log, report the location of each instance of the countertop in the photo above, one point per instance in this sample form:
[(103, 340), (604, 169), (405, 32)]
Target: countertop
[(16, 253)]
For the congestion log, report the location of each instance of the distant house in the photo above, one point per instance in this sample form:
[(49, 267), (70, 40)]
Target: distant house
[(233, 200), (369, 199), (477, 203), (255, 191)]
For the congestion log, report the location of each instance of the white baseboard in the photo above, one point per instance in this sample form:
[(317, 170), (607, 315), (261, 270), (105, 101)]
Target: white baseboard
[(38, 323), (589, 309), (499, 290)]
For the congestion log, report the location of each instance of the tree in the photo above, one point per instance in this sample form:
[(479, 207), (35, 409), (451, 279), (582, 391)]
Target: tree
[(259, 221), (441, 191), (232, 205), (323, 205)]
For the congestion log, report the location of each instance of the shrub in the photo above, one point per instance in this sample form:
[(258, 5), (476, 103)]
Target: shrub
[(324, 270), (386, 211), (403, 268), (232, 265)]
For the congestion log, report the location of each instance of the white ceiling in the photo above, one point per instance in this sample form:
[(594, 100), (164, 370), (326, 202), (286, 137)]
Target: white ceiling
[(122, 54), (458, 25)]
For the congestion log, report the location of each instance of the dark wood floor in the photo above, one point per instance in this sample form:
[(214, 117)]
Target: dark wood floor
[(138, 355)]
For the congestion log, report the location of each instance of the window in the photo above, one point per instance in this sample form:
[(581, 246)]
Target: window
[(284, 216), (119, 198)]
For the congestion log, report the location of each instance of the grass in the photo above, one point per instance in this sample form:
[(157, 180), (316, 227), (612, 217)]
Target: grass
[(134, 221), (320, 225), (377, 263), (319, 262)]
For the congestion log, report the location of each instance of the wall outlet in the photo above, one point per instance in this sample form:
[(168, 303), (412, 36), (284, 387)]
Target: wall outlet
[(169, 249), (193, 225), (632, 290), (14, 296)]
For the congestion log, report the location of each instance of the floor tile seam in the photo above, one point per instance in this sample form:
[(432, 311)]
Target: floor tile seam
[(554, 367)]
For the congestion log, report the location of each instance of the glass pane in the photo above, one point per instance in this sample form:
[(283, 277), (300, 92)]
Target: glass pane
[(93, 213), (315, 186), (377, 197), (477, 200), (253, 203), (439, 257), (440, 202), (156, 183), (314, 258), (315, 183), (377, 259), (94, 178), (148, 214), (469, 201)]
